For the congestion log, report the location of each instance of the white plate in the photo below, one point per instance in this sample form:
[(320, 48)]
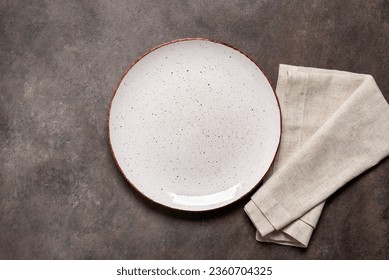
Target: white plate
[(194, 124)]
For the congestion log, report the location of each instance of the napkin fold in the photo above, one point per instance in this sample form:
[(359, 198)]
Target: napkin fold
[(335, 125)]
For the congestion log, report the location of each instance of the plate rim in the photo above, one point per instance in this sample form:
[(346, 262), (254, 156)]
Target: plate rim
[(120, 81)]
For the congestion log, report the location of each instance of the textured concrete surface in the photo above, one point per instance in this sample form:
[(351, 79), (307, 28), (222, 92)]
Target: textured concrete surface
[(61, 195)]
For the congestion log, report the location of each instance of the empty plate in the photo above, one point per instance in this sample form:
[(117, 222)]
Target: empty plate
[(194, 124)]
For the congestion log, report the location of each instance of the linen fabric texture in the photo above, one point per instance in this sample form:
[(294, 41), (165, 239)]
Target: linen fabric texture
[(335, 125)]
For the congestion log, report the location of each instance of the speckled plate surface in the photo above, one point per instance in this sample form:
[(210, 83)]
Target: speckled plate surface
[(194, 124)]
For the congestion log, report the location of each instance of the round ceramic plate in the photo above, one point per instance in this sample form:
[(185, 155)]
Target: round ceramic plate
[(194, 124)]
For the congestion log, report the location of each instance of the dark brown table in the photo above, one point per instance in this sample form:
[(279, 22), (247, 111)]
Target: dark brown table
[(61, 195)]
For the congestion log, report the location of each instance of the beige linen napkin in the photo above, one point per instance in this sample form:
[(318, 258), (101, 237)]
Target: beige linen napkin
[(335, 125)]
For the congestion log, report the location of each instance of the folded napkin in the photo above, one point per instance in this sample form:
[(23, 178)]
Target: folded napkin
[(335, 125)]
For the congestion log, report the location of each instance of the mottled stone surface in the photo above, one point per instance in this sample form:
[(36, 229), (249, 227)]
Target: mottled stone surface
[(61, 195)]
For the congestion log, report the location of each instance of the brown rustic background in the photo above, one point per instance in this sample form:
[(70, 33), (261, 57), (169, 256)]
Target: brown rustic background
[(61, 195)]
